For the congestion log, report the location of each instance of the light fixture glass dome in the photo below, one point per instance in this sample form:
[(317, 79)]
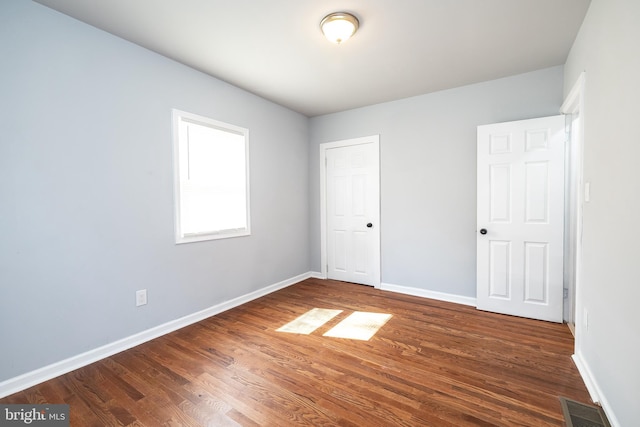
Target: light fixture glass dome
[(339, 26)]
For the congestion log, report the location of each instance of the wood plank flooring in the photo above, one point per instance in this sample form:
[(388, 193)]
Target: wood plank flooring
[(433, 364)]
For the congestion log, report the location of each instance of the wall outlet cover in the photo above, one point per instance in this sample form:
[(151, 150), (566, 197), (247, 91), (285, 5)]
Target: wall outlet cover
[(141, 297)]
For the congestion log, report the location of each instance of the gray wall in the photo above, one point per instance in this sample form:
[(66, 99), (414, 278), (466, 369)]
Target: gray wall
[(428, 173), (608, 49), (86, 190)]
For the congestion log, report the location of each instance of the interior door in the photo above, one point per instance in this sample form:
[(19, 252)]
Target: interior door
[(521, 218), (353, 211)]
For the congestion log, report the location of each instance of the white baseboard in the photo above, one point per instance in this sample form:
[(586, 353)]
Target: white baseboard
[(317, 275), (29, 379), (585, 373), (442, 296), (594, 389)]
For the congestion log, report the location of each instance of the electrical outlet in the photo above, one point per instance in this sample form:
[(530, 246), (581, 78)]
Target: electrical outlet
[(141, 297)]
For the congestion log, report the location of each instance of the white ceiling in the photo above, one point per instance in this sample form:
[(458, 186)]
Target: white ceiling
[(275, 49)]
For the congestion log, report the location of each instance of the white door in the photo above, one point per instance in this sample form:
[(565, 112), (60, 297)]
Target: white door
[(521, 218), (352, 210)]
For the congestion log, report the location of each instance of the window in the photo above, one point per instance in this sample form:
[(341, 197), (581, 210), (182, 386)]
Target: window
[(211, 177)]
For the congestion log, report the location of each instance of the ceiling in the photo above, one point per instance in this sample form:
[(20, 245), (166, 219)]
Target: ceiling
[(275, 49)]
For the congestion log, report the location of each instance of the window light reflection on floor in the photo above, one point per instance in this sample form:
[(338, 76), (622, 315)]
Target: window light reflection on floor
[(359, 325), (310, 321)]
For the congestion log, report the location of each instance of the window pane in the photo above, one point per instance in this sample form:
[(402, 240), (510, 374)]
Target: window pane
[(212, 179)]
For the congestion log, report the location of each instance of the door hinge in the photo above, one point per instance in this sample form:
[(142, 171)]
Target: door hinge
[(565, 293)]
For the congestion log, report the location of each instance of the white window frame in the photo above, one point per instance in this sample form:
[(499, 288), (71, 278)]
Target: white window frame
[(180, 237)]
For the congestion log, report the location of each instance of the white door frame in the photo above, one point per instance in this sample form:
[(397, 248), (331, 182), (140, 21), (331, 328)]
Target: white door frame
[(375, 140), (572, 105)]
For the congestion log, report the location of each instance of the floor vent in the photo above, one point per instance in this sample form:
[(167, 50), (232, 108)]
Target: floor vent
[(578, 414)]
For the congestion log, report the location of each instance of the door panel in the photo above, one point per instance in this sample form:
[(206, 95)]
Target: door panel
[(521, 207), (339, 251), (536, 266), (536, 192), (500, 269), (500, 192)]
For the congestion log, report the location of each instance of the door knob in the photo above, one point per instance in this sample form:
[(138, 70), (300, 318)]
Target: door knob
[(369, 225), (483, 231)]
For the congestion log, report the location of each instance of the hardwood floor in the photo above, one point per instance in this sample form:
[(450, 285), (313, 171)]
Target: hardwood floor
[(432, 364)]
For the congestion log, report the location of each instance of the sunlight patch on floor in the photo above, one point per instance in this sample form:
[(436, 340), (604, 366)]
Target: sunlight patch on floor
[(359, 326), (310, 321)]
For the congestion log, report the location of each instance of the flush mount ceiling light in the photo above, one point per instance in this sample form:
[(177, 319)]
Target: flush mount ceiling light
[(339, 26)]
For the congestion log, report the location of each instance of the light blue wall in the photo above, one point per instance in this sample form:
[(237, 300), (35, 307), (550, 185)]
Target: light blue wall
[(428, 173), (86, 190), (608, 50)]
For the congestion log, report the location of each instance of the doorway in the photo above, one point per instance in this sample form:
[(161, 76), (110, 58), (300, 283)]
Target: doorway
[(573, 108), (350, 210)]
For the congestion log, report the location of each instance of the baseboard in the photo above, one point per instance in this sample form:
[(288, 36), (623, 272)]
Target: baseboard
[(594, 389), (441, 296), (29, 379), (585, 373)]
